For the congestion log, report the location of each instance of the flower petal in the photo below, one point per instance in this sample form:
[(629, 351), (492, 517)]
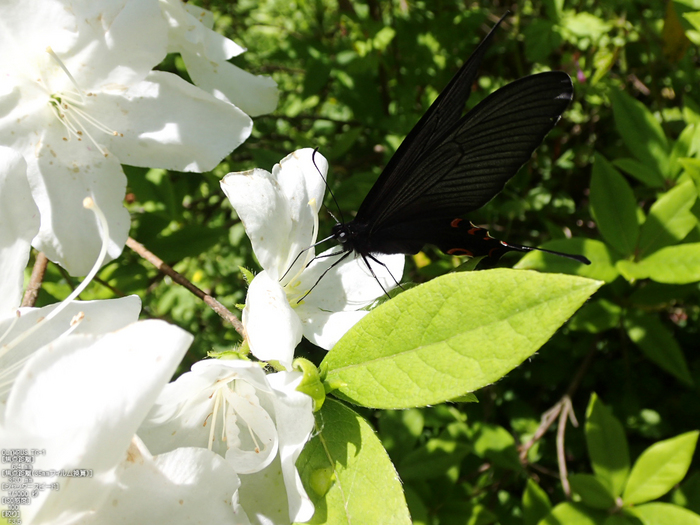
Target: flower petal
[(336, 303), (280, 210), (256, 448), (295, 421), (119, 42), (172, 488), (254, 94), (19, 223), (61, 174), (97, 317), (81, 399), (273, 328), (191, 29), (168, 123)]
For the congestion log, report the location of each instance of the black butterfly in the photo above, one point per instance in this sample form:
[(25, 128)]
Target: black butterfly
[(450, 164)]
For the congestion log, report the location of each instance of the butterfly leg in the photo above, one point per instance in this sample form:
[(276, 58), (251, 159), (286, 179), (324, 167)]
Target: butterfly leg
[(336, 263)]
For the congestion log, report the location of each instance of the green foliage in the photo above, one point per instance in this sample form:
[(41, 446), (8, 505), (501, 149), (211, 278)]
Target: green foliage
[(426, 346), (623, 493), (617, 181)]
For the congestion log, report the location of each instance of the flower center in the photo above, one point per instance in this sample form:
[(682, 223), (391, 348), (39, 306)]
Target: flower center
[(225, 389), (69, 108)]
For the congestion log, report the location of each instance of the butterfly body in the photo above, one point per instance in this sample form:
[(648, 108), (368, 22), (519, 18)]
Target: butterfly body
[(451, 164)]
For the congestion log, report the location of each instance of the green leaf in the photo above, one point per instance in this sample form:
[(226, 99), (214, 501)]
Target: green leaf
[(659, 468), (657, 343), (670, 219), (596, 316), (450, 336), (640, 131), (495, 443), (607, 446), (190, 241), (692, 168), (586, 25), (573, 514), (642, 172), (681, 148), (536, 504), (459, 512), (602, 259), (688, 494), (437, 455), (593, 493), (614, 207), (678, 264), (347, 472), (665, 514)]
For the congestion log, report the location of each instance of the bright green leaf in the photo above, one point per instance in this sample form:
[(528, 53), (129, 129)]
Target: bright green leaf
[(614, 207), (665, 514), (602, 259), (678, 264), (573, 514), (536, 504), (347, 472), (659, 468), (692, 168), (640, 131), (657, 343), (669, 220), (450, 336), (681, 148), (607, 446), (592, 492)]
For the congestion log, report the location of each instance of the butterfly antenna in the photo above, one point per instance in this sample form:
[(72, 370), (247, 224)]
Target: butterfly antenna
[(340, 212), (336, 263), (520, 248)]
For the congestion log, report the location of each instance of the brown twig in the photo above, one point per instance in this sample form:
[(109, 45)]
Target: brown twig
[(178, 278), (567, 412), (32, 292)]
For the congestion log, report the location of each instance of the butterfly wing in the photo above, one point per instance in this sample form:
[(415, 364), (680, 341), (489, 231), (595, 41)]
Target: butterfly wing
[(469, 164), (442, 115)]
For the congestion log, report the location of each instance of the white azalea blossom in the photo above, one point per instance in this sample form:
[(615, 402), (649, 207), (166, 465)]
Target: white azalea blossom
[(185, 486), (79, 401), (79, 97), (258, 422), (280, 213), (206, 53), (19, 223)]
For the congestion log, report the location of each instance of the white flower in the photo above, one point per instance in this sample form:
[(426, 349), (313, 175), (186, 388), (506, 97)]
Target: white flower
[(206, 55), (258, 422), (280, 213), (185, 486), (79, 400), (19, 223), (78, 97)]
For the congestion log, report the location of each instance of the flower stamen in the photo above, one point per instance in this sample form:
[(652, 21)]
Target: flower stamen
[(65, 70), (67, 109)]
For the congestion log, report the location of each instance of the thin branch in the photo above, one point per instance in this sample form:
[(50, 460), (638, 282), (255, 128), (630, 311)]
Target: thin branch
[(215, 305), (566, 413), (35, 281)]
